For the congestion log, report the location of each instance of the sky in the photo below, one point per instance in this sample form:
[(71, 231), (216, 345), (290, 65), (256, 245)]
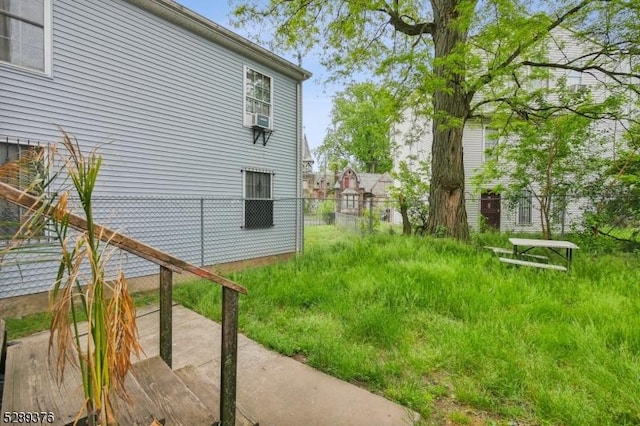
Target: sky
[(317, 96)]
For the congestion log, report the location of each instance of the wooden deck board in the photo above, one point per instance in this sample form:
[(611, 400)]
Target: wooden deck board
[(140, 410), (30, 385), (177, 403)]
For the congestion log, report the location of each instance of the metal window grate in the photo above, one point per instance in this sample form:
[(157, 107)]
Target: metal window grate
[(525, 208), (258, 205)]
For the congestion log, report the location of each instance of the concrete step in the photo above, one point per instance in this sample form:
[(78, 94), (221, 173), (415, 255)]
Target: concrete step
[(208, 393)]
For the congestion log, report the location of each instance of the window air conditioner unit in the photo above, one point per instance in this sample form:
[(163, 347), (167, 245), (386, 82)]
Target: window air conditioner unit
[(260, 120)]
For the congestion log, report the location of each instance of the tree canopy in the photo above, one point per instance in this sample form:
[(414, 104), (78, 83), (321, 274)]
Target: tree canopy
[(457, 60), (361, 122)]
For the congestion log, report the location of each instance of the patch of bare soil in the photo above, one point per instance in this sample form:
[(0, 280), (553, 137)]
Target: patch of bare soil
[(448, 412), (300, 357)]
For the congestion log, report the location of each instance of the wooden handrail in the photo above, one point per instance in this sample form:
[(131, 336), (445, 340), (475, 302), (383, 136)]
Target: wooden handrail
[(168, 264), (116, 239)]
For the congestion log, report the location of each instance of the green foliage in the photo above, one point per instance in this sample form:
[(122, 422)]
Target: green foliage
[(327, 211), (370, 221), (396, 314), (410, 194), (617, 211), (361, 124), (456, 60)]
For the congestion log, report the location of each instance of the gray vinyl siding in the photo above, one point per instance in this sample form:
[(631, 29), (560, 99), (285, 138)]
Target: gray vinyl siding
[(165, 108)]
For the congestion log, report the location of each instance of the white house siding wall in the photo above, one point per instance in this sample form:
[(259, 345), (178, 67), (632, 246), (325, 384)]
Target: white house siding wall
[(472, 158), (412, 138), (165, 108)]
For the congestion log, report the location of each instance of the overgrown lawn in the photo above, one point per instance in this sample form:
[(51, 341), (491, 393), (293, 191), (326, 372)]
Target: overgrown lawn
[(420, 320)]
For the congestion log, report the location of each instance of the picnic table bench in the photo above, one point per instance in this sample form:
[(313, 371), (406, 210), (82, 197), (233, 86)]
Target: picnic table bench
[(500, 250), (533, 264), (521, 247)]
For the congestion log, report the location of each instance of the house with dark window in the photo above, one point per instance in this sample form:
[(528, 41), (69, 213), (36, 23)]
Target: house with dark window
[(356, 190), (487, 206), (200, 130)]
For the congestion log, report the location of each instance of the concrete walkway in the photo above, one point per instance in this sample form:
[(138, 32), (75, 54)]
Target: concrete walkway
[(274, 389)]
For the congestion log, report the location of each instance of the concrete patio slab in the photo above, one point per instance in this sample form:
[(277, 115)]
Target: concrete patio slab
[(275, 390)]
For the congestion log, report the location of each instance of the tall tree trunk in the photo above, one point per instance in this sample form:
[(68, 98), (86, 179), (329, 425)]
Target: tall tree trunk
[(447, 213), (404, 212)]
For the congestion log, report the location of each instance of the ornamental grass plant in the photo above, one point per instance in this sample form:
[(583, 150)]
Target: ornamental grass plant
[(81, 291)]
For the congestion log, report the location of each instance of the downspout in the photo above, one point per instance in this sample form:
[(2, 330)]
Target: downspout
[(299, 200)]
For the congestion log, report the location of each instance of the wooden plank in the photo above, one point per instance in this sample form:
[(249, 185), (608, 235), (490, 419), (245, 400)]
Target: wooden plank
[(166, 284), (209, 394), (178, 405), (139, 410), (30, 385), (229, 357), (116, 239), (532, 264)]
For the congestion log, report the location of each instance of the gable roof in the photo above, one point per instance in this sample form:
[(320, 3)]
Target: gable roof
[(181, 16), (369, 180), (306, 152), (366, 180)]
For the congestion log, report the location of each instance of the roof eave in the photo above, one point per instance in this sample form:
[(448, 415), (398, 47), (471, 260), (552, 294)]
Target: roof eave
[(183, 17)]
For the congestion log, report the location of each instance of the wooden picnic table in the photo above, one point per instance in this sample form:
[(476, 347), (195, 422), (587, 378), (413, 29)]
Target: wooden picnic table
[(562, 248)]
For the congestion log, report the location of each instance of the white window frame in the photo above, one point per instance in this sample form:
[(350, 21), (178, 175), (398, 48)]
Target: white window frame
[(272, 174), (48, 44), (247, 116), (486, 130)]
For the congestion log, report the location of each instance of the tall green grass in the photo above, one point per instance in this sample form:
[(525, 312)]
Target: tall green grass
[(391, 313)]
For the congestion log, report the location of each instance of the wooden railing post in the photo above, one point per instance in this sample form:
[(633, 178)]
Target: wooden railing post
[(166, 287), (229, 356)]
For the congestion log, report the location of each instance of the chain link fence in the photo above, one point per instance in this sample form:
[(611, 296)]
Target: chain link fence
[(213, 231), (203, 231), (616, 216)]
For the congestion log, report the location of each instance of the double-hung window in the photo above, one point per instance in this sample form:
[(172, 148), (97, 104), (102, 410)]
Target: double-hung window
[(258, 199), (258, 99), (525, 205), (24, 33)]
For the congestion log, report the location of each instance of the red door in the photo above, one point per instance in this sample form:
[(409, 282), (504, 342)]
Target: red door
[(490, 208)]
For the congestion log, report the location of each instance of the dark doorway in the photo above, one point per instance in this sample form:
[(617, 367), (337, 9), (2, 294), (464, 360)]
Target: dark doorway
[(490, 209)]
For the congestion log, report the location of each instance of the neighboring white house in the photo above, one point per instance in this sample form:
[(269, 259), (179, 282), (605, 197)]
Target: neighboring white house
[(413, 139), (199, 129)]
